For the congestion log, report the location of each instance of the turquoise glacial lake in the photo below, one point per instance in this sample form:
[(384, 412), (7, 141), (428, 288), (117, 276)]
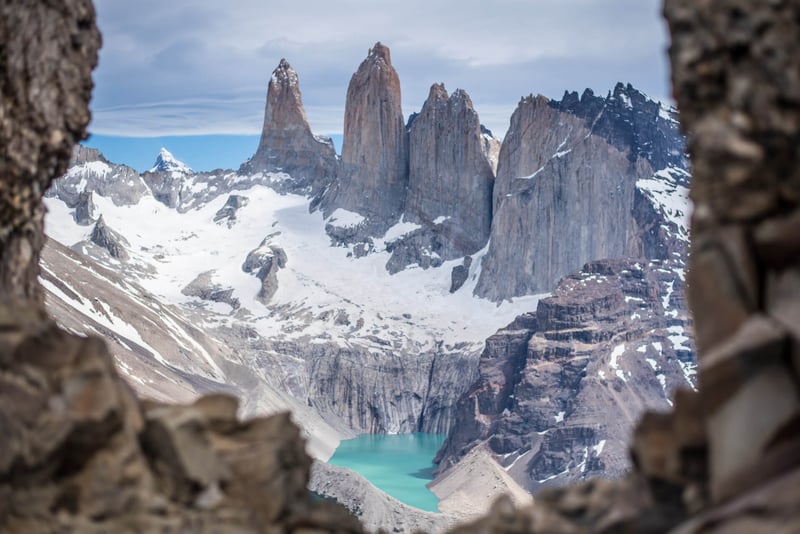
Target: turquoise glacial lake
[(399, 464)]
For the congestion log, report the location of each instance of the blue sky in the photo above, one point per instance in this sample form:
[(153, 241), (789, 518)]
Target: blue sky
[(194, 73)]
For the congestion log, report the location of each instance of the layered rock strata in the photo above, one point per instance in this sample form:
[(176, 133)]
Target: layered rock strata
[(287, 143), (374, 166), (362, 390), (559, 390)]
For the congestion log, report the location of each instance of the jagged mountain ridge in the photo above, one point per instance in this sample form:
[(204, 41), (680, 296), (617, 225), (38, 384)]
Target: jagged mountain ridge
[(380, 357), (560, 389)]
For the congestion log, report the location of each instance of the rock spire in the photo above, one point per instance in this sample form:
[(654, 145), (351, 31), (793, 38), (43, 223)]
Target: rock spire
[(374, 170), (450, 178), (287, 143)]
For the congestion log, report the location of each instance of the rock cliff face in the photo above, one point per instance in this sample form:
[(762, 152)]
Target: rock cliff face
[(287, 144), (566, 188), (367, 391), (560, 389), (374, 167), (84, 209), (450, 179), (90, 171)]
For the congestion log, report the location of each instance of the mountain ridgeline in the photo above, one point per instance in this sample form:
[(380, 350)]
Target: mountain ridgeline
[(565, 190), (394, 289)]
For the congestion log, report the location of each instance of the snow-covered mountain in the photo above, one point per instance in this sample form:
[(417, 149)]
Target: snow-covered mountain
[(280, 288), (336, 328), (166, 162)]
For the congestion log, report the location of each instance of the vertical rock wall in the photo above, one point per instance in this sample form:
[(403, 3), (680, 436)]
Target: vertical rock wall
[(450, 178), (374, 166), (566, 190)]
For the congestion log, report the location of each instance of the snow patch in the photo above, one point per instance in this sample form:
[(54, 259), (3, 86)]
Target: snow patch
[(399, 230), (598, 449), (666, 298), (618, 351), (342, 218), (678, 338), (520, 457), (669, 197)]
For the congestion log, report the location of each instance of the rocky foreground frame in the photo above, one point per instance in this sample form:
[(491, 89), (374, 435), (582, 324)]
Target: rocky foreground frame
[(80, 453)]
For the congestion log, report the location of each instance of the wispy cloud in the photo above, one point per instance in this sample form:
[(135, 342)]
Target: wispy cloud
[(184, 67)]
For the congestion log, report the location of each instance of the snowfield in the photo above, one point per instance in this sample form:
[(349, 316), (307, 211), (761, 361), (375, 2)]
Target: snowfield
[(168, 250)]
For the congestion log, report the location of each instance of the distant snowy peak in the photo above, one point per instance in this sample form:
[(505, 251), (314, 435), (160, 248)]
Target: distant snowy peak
[(166, 162)]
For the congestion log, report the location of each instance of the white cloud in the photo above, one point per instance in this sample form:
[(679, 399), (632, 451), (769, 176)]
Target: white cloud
[(202, 66)]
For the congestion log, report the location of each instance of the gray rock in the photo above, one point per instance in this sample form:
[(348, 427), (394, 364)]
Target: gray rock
[(459, 274), (84, 209), (231, 208), (566, 193), (425, 247), (560, 389), (169, 180), (450, 184), (265, 261), (287, 144), (204, 288), (449, 175), (374, 167), (111, 241)]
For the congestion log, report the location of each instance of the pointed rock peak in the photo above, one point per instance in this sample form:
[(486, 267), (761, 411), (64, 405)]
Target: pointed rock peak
[(437, 92), (378, 52), (284, 74), (461, 97), (628, 95), (284, 101), (166, 162)]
